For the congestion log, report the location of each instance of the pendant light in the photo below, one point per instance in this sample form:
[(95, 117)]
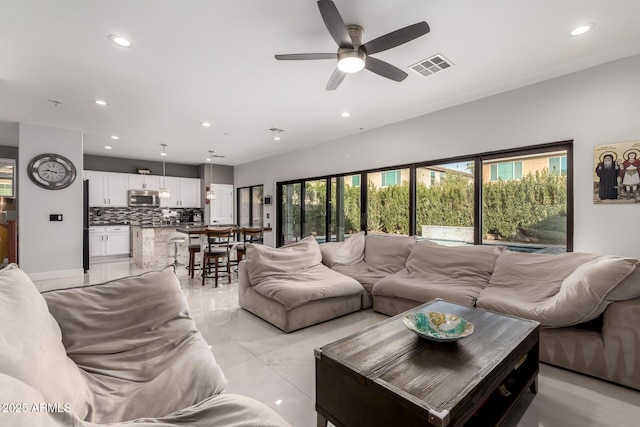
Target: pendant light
[(164, 191), (211, 195)]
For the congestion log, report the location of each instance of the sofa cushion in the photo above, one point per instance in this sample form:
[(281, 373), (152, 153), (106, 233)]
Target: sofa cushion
[(454, 273), (560, 290), (137, 345), (350, 251), (265, 262), (387, 253), (452, 264), (31, 347), (319, 282)]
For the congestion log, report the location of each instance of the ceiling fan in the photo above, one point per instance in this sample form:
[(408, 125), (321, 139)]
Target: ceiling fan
[(352, 55)]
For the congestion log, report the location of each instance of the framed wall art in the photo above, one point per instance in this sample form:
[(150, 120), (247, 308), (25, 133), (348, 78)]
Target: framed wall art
[(616, 174)]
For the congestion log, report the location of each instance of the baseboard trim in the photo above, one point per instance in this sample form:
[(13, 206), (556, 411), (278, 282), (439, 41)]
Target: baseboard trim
[(46, 275)]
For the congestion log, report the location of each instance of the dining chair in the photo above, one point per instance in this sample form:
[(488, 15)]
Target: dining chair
[(249, 235), (218, 249)]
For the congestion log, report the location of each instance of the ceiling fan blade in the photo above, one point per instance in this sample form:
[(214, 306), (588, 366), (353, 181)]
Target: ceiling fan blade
[(385, 69), (334, 23), (305, 56), (396, 38), (336, 78)]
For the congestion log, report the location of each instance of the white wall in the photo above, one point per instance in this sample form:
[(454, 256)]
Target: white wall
[(596, 106), (49, 249)]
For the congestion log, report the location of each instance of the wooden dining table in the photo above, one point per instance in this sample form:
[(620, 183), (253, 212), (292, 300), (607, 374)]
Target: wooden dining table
[(202, 229)]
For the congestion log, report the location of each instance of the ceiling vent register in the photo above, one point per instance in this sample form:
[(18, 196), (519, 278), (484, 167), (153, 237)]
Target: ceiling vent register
[(432, 65)]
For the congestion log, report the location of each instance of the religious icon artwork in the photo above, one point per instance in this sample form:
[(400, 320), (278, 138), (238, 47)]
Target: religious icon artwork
[(616, 175)]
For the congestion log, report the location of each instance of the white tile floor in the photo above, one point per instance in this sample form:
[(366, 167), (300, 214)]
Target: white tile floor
[(276, 368)]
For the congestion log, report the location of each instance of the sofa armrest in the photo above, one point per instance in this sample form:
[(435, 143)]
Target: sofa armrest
[(135, 335), (620, 322), (243, 280)]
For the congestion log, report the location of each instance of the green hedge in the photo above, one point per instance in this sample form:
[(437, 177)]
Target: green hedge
[(509, 207)]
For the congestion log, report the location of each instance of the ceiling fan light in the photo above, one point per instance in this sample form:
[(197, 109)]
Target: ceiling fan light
[(351, 62)]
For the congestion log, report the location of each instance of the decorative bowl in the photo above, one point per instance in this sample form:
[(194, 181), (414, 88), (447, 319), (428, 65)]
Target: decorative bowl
[(435, 326)]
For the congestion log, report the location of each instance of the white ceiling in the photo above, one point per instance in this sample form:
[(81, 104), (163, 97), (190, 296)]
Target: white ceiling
[(207, 60)]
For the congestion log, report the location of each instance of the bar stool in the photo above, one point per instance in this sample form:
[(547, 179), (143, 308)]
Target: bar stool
[(194, 248), (249, 235), (176, 241), (218, 249)]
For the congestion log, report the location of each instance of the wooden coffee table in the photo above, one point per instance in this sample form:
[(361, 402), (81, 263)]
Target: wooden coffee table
[(387, 376)]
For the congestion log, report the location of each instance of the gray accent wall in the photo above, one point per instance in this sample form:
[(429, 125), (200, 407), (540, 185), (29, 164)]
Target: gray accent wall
[(596, 106), (116, 164), (49, 249)]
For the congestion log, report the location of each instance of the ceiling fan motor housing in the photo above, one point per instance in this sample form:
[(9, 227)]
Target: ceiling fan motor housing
[(352, 59)]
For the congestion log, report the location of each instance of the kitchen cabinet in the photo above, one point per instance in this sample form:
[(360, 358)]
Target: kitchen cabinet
[(144, 182), (184, 192), (107, 188), (108, 240)]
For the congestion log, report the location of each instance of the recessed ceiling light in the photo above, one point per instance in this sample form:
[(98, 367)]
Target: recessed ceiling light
[(345, 114), (108, 147), (115, 137), (276, 138), (579, 30), (101, 102), (205, 124), (208, 159), (119, 40)]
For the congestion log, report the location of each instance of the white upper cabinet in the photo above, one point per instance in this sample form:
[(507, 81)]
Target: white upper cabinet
[(144, 182), (184, 193), (110, 189), (107, 188), (190, 195)]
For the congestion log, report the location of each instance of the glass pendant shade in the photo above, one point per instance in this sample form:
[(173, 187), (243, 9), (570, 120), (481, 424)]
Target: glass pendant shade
[(211, 195), (164, 191)]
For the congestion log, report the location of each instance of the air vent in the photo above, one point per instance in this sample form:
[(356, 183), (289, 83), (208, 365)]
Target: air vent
[(218, 156), (275, 130), (432, 65)]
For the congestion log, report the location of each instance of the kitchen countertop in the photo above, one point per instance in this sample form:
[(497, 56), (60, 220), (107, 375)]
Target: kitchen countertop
[(160, 225)]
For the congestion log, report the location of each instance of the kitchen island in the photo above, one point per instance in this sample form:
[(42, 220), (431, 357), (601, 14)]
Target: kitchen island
[(152, 247)]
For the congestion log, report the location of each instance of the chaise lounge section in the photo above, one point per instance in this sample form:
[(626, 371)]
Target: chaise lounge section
[(121, 353)]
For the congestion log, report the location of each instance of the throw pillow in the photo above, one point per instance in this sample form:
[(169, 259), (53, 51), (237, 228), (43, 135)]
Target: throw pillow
[(351, 251), (387, 252), (264, 261)]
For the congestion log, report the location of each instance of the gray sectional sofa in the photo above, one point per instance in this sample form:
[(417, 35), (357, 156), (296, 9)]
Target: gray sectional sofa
[(588, 305), (123, 353)]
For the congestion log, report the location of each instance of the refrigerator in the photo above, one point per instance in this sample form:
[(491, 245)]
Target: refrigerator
[(85, 225)]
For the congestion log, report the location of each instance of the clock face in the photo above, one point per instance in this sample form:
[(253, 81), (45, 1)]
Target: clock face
[(51, 171)]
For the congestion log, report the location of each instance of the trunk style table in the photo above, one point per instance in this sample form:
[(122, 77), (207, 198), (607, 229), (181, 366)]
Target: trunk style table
[(386, 375)]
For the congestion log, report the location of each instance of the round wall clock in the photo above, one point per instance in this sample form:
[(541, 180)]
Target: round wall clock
[(51, 171)]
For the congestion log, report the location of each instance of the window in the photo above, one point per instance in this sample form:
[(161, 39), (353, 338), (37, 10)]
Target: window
[(558, 166), (513, 198), (528, 212), (391, 178), (315, 209), (250, 206), (290, 196), (7, 168), (444, 209), (345, 207), (506, 171), (387, 202)]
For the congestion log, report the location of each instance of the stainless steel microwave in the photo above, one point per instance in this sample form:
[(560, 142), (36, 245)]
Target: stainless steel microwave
[(144, 198)]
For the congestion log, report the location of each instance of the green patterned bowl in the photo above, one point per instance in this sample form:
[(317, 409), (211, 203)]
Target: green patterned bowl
[(435, 326)]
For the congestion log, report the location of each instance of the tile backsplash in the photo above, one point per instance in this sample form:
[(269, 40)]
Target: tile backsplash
[(106, 215)]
